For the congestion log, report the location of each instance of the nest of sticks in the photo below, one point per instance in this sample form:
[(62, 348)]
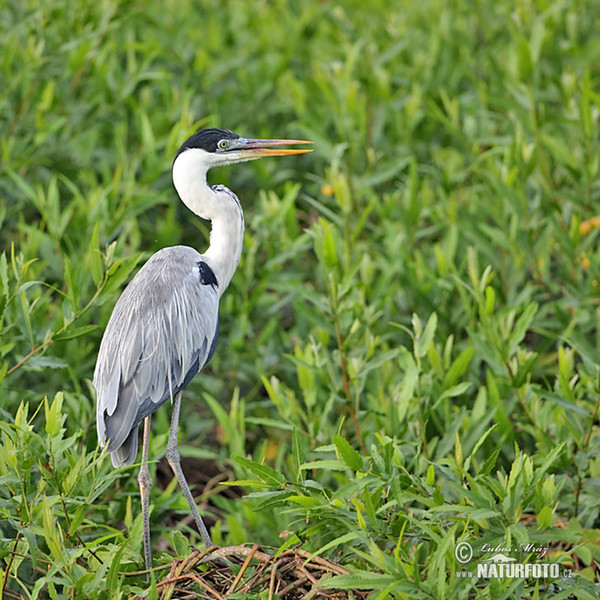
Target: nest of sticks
[(247, 571)]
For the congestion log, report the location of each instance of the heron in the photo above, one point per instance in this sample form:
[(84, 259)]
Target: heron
[(164, 327)]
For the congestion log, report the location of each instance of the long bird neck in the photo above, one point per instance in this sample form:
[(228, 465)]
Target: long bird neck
[(222, 207), (226, 238)]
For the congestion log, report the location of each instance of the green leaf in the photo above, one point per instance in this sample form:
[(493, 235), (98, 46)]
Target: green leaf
[(349, 455), (180, 544), (521, 327), (329, 252), (524, 370), (424, 340), (408, 385), (306, 374), (430, 478), (456, 390), (51, 532), (343, 539), (305, 501), (360, 580), (478, 445), (545, 518), (72, 287), (458, 451), (112, 577), (328, 465), (54, 414), (224, 419), (525, 61), (458, 367), (560, 401), (253, 483), (52, 591), (78, 518), (490, 299), (263, 472), (96, 258), (3, 371), (32, 544), (46, 362), (153, 591), (4, 285), (559, 150), (74, 332), (550, 458), (298, 455)]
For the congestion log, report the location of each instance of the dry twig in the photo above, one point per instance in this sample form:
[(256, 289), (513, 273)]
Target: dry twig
[(217, 573)]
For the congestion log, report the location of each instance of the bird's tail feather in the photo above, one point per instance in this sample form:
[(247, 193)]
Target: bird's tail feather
[(125, 454)]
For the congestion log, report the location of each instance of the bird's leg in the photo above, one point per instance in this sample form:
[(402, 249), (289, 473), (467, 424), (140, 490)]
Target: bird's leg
[(145, 482), (175, 461)]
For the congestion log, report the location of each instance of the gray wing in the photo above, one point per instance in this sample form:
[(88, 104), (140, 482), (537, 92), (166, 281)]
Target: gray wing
[(162, 331)]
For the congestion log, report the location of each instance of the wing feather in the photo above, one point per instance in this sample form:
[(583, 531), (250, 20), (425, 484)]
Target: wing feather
[(161, 333)]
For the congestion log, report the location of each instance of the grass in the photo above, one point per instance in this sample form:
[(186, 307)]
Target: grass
[(409, 350)]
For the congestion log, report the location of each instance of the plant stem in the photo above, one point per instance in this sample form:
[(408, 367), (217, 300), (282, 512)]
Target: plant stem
[(344, 363)]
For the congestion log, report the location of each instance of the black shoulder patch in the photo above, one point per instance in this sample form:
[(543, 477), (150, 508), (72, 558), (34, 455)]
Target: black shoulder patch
[(207, 276)]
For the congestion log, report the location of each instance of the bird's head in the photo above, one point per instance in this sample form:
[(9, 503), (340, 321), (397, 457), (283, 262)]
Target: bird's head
[(217, 147)]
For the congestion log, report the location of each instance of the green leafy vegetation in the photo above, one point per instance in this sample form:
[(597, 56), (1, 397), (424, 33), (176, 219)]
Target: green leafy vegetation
[(409, 350)]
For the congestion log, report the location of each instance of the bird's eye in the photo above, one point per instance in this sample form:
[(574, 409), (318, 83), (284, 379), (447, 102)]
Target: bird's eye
[(222, 145)]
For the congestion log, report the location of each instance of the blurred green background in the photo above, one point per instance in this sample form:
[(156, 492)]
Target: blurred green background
[(408, 355)]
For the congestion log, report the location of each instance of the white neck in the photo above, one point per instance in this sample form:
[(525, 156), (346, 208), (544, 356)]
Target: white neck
[(219, 205)]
